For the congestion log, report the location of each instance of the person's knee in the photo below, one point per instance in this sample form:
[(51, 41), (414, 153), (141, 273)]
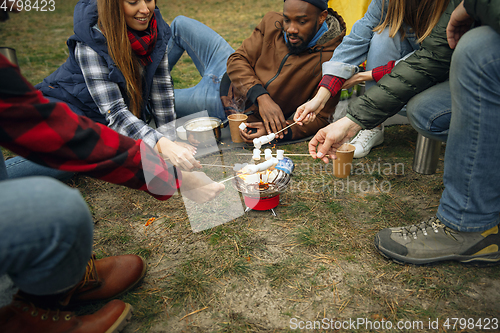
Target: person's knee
[(179, 22), (68, 209), (466, 52), (414, 108)]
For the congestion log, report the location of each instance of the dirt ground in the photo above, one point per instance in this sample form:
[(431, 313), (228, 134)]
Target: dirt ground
[(315, 261)]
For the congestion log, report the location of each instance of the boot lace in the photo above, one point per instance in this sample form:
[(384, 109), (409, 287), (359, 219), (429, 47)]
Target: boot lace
[(26, 305), (90, 280), (431, 223)]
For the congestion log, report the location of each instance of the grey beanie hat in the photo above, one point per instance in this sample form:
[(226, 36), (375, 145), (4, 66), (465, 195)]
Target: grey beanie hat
[(321, 4)]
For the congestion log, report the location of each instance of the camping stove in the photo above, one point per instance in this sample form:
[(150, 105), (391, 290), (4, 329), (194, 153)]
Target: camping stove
[(262, 191)]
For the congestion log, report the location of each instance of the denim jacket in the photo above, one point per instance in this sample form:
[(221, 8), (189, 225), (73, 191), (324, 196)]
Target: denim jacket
[(354, 48)]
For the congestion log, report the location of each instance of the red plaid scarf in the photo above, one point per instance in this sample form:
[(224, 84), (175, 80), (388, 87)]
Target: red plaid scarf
[(143, 42)]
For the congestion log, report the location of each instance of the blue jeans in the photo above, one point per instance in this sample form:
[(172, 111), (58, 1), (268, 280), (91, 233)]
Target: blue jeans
[(471, 198), (430, 111), (46, 234), (209, 52), (17, 167)]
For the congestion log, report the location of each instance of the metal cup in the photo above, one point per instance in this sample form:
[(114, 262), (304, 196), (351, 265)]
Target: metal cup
[(426, 155), (360, 89), (10, 54)]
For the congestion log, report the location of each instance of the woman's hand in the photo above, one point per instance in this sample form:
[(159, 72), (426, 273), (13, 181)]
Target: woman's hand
[(192, 149), (177, 155), (307, 112), (358, 78), (197, 186), (329, 138)]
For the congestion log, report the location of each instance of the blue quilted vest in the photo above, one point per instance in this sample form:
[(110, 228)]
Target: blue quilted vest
[(67, 82)]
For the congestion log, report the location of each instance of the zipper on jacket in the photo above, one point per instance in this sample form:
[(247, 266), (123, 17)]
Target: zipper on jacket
[(278, 72)]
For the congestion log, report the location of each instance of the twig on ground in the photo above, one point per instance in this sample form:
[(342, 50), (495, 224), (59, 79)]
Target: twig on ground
[(192, 313)]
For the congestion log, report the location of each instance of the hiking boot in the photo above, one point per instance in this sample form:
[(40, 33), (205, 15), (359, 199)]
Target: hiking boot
[(23, 316), (105, 279), (365, 140), (431, 242)]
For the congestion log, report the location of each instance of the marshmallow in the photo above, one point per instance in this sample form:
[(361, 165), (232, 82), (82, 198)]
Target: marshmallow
[(268, 154), (275, 161), (271, 137), (262, 140), (256, 143), (256, 154), (252, 179), (242, 126), (280, 154), (250, 169), (265, 165)]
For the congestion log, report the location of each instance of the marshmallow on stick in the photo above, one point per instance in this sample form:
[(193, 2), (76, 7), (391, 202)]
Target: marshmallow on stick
[(251, 169), (256, 154), (280, 154), (268, 154), (258, 142)]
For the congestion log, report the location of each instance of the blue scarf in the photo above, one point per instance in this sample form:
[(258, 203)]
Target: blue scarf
[(321, 31)]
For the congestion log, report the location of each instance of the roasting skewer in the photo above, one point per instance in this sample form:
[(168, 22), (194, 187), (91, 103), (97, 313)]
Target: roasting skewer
[(281, 130)]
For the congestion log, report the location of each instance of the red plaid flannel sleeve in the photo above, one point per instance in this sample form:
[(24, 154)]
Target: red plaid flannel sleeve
[(379, 72), (51, 134), (332, 83)]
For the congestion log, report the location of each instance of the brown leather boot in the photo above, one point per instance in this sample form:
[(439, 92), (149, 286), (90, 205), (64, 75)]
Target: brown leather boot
[(105, 279), (22, 316)]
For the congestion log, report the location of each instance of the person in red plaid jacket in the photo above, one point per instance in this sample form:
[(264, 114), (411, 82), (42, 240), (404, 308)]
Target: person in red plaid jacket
[(46, 229)]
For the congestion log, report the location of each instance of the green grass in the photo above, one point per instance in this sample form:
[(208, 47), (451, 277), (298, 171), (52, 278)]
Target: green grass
[(283, 271)]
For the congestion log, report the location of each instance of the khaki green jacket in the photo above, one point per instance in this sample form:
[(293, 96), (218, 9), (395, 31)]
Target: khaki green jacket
[(426, 67)]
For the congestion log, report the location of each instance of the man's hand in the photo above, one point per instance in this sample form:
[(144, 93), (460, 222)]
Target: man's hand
[(272, 115), (329, 138), (307, 112), (247, 134), (177, 155), (197, 186), (460, 22)]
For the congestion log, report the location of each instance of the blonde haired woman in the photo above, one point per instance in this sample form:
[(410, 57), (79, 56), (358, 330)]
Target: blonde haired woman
[(389, 31), (117, 73)]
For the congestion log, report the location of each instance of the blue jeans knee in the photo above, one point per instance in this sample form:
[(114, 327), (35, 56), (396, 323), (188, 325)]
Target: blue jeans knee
[(45, 235)]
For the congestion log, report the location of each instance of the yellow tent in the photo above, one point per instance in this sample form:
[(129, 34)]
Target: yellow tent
[(350, 10)]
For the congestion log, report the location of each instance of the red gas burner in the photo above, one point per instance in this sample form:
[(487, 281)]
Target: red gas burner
[(262, 203), (262, 196)]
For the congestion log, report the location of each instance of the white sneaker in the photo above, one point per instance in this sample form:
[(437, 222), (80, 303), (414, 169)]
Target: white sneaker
[(365, 140)]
